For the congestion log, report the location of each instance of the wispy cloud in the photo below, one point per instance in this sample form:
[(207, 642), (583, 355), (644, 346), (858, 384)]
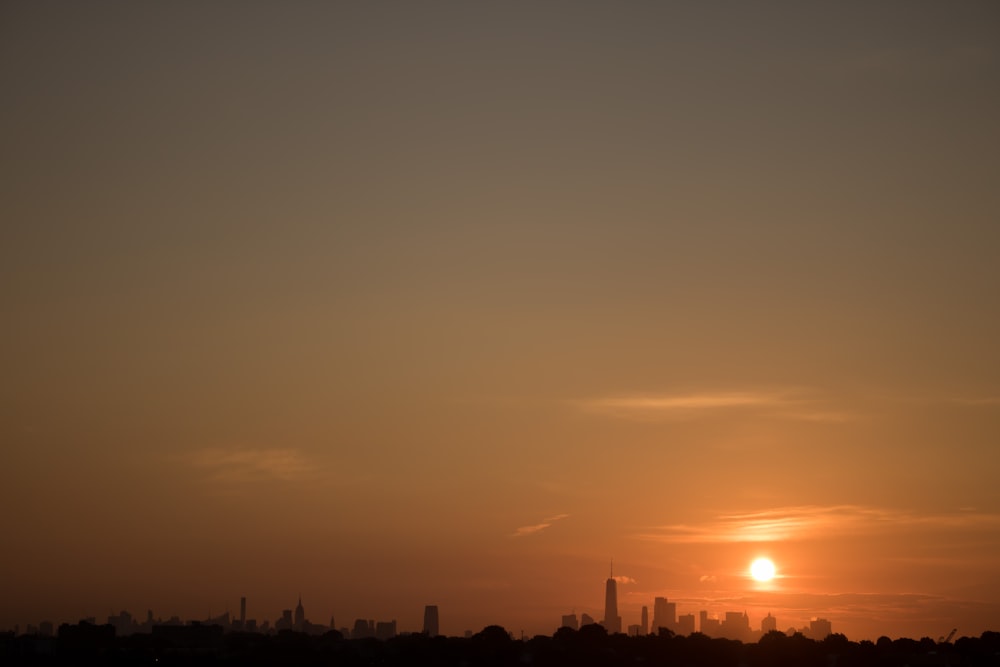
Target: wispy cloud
[(702, 401), (247, 465), (538, 527), (786, 404), (622, 579), (810, 521), (983, 401)]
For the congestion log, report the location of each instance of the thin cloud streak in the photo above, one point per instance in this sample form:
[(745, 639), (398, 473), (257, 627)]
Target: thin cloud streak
[(985, 401), (249, 465), (788, 404), (813, 521), (816, 416), (689, 402), (538, 527)]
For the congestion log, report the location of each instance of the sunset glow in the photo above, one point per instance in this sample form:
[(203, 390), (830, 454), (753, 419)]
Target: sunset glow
[(762, 569), (396, 305)]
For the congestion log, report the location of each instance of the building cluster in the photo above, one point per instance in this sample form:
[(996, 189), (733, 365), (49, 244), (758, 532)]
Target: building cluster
[(734, 625), (124, 624)]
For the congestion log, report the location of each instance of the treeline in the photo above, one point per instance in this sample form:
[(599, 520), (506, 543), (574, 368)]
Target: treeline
[(591, 646)]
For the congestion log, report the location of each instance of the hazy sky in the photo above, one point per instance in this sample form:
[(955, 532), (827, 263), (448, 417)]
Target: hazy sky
[(394, 304)]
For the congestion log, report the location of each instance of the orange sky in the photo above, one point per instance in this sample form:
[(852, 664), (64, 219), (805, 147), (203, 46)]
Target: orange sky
[(439, 303)]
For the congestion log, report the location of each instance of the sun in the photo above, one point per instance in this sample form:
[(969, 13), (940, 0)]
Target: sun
[(762, 569)]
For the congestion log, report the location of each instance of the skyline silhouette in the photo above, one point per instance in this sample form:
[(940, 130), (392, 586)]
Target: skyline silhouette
[(676, 616), (733, 625)]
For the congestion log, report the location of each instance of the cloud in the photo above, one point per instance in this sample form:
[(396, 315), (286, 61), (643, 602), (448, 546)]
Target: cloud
[(248, 465), (621, 579), (812, 521), (538, 527), (707, 578), (828, 416), (985, 401), (787, 404), (683, 401)]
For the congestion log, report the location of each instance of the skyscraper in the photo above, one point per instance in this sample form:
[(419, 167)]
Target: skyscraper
[(709, 626), (735, 625), (645, 620), (431, 620), (300, 617), (819, 628), (612, 621), (363, 628), (385, 630), (664, 615), (768, 624)]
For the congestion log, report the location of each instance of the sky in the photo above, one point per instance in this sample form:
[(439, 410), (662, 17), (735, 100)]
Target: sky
[(388, 304)]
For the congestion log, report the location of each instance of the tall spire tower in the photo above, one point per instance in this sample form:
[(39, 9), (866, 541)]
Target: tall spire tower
[(612, 621), (300, 616)]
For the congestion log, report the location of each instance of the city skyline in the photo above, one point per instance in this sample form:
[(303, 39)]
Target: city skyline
[(666, 617), (445, 303), (734, 625)]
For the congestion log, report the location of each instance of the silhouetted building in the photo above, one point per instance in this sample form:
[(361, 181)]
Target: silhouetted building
[(222, 620), (663, 614), (147, 625), (300, 617), (431, 628), (768, 624), (735, 625), (709, 626), (612, 621), (586, 619), (385, 630), (634, 630), (285, 622), (363, 629), (645, 620), (243, 613), (685, 624), (820, 628), (569, 621), (123, 623)]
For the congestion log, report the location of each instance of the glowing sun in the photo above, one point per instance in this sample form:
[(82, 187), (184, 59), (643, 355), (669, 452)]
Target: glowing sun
[(762, 569)]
